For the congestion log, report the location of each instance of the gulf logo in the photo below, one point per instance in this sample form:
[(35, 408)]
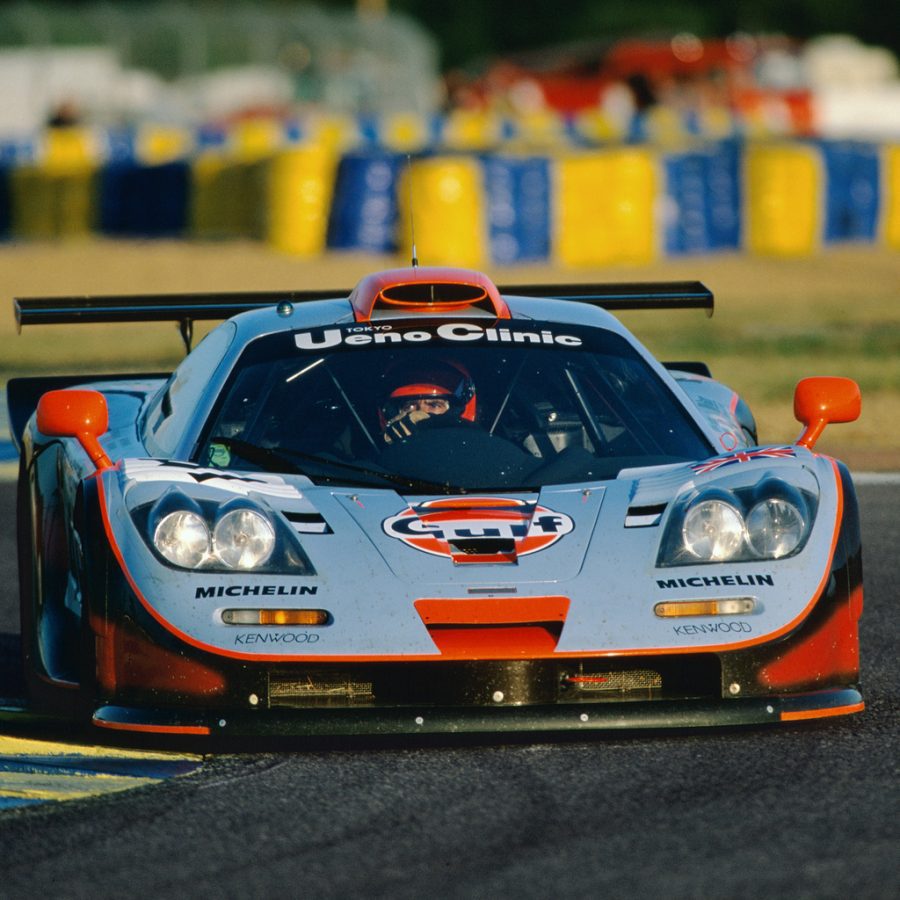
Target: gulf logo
[(441, 527)]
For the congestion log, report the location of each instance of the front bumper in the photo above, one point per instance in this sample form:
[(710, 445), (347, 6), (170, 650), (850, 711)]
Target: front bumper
[(406, 721)]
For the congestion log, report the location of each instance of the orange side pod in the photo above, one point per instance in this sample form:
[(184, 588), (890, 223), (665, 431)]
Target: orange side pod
[(78, 414), (821, 400)]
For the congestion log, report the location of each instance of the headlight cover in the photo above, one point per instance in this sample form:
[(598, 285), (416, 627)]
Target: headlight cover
[(770, 520), (775, 528), (713, 530), (243, 539), (238, 536), (182, 537)]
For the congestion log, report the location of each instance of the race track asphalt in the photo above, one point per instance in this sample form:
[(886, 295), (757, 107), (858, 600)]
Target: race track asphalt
[(803, 811)]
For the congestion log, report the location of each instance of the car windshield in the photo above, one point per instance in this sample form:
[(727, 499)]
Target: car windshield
[(447, 407)]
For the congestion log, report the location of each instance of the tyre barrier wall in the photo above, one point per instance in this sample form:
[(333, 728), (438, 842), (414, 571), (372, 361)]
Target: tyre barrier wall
[(623, 204)]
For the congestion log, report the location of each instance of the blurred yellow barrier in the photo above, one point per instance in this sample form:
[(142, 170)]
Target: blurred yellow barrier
[(665, 126), (45, 206), (230, 185), (337, 133), (56, 197), (299, 187), (605, 205), (69, 151), (256, 139), (405, 132), (784, 197), (227, 197), (471, 129), (448, 211), (716, 122), (597, 126), (891, 193), (541, 129), (158, 144)]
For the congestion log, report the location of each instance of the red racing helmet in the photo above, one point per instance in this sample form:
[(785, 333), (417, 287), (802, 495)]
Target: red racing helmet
[(444, 380)]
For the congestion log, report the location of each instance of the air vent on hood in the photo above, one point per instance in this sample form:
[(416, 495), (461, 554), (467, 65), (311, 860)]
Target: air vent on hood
[(308, 523), (644, 516)]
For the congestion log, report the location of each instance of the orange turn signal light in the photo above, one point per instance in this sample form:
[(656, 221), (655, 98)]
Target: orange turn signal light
[(305, 617), (733, 606)]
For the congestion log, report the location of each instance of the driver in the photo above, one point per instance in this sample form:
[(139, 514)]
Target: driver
[(425, 396)]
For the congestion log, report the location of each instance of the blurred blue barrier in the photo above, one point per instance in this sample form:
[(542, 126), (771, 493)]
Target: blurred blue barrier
[(121, 146), (518, 208), (144, 201), (17, 152), (214, 181), (704, 199), (725, 199), (852, 193), (364, 204)]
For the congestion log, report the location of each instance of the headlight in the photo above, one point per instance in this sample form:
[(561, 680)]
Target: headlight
[(713, 531), (775, 528), (182, 537), (767, 520), (202, 534), (243, 539)]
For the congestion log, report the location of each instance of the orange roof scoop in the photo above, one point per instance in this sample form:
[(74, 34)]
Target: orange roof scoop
[(427, 291)]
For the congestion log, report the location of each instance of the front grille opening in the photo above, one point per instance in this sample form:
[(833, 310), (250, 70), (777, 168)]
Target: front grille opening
[(644, 681), (319, 689), (479, 682), (691, 676), (483, 546)]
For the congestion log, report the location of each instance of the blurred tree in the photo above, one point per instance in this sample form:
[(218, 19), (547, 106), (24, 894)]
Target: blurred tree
[(468, 29)]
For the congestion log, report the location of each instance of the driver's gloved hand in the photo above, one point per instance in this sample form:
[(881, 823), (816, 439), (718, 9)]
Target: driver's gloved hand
[(403, 427)]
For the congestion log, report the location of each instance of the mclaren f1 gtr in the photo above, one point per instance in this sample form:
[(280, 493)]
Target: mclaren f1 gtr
[(427, 505)]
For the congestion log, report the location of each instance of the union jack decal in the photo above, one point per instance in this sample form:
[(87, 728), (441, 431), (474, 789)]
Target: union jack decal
[(743, 456)]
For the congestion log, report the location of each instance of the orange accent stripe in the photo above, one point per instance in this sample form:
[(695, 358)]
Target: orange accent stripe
[(154, 729), (493, 611), (424, 657), (494, 641), (831, 650), (822, 713)]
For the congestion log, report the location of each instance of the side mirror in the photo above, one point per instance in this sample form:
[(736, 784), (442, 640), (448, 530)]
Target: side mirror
[(79, 414), (821, 400)]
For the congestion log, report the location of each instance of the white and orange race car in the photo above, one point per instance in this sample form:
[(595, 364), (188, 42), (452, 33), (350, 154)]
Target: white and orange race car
[(427, 505)]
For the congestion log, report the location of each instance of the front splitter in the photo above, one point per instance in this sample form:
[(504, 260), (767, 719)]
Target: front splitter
[(380, 721)]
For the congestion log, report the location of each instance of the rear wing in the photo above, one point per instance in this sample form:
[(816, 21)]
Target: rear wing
[(625, 296), (185, 309)]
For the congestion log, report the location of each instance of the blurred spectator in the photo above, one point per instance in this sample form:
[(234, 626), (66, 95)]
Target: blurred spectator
[(64, 115)]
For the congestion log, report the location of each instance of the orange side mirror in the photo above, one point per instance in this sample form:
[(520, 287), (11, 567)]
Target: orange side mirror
[(821, 400), (79, 414)]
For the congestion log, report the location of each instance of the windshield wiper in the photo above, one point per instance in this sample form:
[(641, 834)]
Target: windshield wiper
[(276, 460)]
